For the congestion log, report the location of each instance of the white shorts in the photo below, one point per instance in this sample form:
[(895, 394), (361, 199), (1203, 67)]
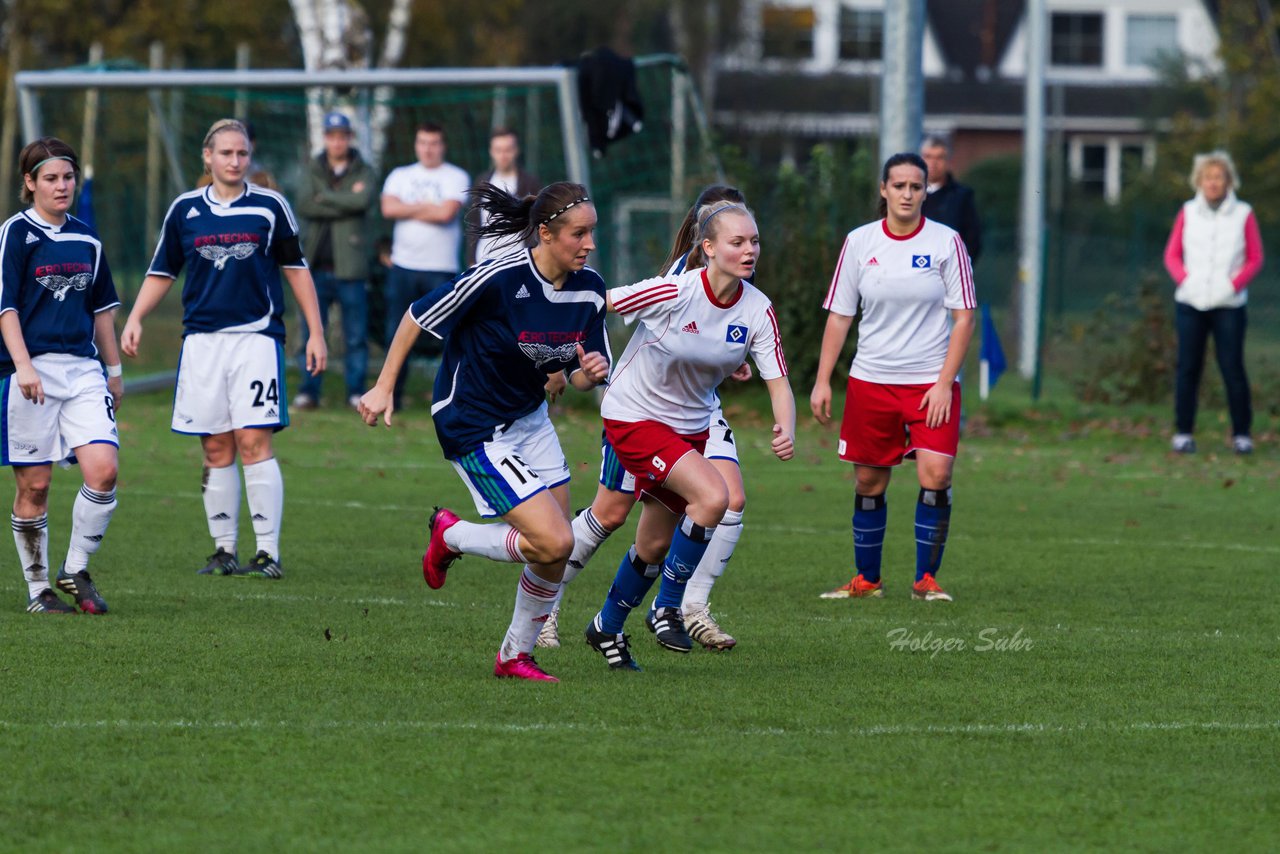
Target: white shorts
[(229, 381), (516, 464), (78, 410), (720, 443)]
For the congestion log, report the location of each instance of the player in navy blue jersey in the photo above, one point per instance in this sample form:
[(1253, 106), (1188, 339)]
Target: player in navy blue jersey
[(233, 238), (507, 323), (57, 310), (615, 495)]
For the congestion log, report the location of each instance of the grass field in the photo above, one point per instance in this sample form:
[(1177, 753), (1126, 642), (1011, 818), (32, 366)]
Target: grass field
[(1116, 687)]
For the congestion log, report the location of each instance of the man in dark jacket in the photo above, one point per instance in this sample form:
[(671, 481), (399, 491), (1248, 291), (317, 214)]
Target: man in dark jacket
[(336, 192), (950, 202), (505, 172)]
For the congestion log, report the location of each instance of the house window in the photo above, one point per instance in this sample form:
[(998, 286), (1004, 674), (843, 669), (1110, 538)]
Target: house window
[(1093, 169), (1076, 39), (788, 32), (1147, 37), (861, 34)]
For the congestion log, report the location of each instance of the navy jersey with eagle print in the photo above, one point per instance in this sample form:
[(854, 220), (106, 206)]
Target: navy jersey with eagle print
[(233, 252), (56, 278), (505, 327)]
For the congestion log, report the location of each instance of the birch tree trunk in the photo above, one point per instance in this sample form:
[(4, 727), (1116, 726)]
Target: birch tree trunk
[(392, 53)]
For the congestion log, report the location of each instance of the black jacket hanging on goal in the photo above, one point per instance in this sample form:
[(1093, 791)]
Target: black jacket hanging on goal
[(609, 98)]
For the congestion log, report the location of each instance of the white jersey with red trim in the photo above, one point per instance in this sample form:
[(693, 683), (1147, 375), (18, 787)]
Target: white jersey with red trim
[(906, 287), (686, 345)]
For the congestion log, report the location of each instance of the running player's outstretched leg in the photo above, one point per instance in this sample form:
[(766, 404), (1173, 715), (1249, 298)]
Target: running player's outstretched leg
[(545, 547)]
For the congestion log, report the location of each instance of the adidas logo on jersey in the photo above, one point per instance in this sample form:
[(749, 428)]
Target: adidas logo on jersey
[(523, 293), (193, 213), (691, 327), (873, 262), (271, 413), (31, 238)]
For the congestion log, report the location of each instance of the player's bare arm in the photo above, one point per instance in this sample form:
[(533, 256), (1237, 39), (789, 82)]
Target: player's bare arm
[(304, 291), (104, 337), (378, 400), (24, 372), (833, 338), (593, 369), (152, 291), (938, 398), (783, 403)]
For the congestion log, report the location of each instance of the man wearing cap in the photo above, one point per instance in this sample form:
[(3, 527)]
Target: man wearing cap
[(336, 192), (425, 200)]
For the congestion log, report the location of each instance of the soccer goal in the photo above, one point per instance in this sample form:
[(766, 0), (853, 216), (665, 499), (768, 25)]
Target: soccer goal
[(143, 139)]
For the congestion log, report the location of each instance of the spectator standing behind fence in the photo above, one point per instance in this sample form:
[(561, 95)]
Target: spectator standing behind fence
[(950, 202), (1213, 253), (335, 196), (506, 174), (425, 200)]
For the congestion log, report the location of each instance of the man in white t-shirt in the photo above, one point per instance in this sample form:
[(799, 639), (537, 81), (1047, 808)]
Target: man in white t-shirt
[(425, 200)]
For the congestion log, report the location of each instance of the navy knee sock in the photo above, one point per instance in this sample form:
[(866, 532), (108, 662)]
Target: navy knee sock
[(933, 519)]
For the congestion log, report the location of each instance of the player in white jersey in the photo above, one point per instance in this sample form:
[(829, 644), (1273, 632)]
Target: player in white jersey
[(906, 274), (615, 494), (57, 310), (695, 330), (234, 239)]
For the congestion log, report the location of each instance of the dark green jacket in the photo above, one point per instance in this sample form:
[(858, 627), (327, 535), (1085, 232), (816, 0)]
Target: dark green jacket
[(344, 207)]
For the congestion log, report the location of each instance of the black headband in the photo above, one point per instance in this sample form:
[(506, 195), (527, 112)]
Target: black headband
[(565, 208)]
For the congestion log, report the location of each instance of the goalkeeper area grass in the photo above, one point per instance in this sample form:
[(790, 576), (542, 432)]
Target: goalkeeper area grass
[(1106, 677)]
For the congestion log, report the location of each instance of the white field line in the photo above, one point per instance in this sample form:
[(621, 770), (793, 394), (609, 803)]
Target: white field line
[(1025, 728), (423, 508), (294, 597)]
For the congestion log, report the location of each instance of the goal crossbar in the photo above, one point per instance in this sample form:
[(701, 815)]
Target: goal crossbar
[(565, 81)]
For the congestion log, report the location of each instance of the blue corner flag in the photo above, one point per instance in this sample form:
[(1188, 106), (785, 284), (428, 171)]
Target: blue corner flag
[(84, 210), (992, 362)]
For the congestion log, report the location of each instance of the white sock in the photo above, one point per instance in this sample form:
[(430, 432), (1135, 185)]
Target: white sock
[(90, 516), (221, 493), (494, 540), (32, 539), (588, 536), (713, 562), (264, 486), (534, 599)]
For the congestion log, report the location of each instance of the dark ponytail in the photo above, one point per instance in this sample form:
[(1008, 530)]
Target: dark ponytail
[(909, 158), (686, 236), (520, 218)]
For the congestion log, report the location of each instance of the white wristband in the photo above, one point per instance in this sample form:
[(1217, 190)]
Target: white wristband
[(114, 370)]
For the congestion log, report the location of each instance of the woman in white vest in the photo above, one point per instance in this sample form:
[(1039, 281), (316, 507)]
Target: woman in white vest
[(1213, 253)]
